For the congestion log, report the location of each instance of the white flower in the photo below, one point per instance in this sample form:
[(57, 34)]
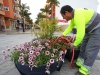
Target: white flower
[(52, 55), (37, 53), (47, 52), (3, 51), (51, 60), (48, 63), (31, 52), (47, 71)]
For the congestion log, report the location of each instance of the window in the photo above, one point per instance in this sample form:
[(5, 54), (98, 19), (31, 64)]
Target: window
[(6, 8), (15, 14), (0, 6), (15, 0)]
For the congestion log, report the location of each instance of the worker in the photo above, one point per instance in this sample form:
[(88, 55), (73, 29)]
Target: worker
[(87, 23)]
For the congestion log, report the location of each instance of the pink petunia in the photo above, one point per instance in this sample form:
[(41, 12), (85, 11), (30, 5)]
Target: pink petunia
[(30, 59), (46, 44), (3, 51), (21, 58), (5, 57), (52, 55), (47, 71), (51, 60), (37, 53), (65, 51), (48, 63), (31, 52), (60, 58), (31, 63), (22, 62), (47, 52)]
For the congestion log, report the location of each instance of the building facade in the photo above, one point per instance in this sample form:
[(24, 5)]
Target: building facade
[(2, 13), (9, 13)]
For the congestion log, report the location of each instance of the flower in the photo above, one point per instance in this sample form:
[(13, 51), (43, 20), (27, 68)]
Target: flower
[(47, 71), (3, 51), (31, 52), (51, 61), (47, 52), (38, 52), (48, 63), (52, 55), (5, 57)]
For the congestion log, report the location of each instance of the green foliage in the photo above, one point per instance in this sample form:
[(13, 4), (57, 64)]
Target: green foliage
[(46, 9), (46, 28), (37, 52), (55, 2)]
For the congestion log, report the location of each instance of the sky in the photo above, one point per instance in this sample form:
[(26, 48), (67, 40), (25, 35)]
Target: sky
[(36, 5)]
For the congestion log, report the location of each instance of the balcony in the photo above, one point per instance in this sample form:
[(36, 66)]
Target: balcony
[(2, 12), (47, 1), (18, 16), (17, 9), (1, 1), (16, 1)]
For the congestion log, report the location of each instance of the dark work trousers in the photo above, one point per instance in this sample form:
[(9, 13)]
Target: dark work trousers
[(90, 47)]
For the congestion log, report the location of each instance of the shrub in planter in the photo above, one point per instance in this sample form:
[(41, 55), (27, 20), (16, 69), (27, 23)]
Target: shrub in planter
[(37, 53), (46, 28)]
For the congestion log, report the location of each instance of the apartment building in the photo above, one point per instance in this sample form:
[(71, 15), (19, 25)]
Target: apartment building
[(9, 13), (2, 13)]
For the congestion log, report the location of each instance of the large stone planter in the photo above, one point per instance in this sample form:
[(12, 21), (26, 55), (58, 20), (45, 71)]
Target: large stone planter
[(68, 55), (25, 70)]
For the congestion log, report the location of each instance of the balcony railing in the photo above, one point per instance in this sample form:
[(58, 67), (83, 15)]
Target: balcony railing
[(17, 8), (47, 1), (16, 1), (18, 16)]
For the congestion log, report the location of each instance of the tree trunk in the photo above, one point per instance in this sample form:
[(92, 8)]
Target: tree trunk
[(23, 26)]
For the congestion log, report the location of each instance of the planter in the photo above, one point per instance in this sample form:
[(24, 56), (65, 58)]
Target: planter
[(74, 31), (68, 55), (25, 70)]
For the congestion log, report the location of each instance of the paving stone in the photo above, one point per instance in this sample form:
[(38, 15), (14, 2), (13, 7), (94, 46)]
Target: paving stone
[(13, 71)]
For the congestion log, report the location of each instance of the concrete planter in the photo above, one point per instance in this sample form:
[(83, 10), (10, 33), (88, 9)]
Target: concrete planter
[(25, 70)]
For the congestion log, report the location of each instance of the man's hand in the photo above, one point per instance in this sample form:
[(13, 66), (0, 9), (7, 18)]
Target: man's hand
[(72, 45), (61, 36)]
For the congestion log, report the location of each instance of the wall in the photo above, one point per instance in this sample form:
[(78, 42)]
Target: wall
[(2, 11), (7, 22)]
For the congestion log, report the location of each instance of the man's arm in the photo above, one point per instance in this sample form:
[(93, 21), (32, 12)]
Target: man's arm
[(70, 27), (80, 26)]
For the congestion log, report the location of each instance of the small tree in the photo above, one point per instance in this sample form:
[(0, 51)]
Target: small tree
[(24, 13), (46, 10)]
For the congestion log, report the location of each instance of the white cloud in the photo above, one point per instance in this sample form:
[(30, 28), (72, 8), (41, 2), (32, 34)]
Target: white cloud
[(98, 10), (35, 6)]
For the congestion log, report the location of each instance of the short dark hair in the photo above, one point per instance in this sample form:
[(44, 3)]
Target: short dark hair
[(66, 8)]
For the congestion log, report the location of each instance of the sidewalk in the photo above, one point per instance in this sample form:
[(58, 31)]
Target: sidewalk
[(17, 32)]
